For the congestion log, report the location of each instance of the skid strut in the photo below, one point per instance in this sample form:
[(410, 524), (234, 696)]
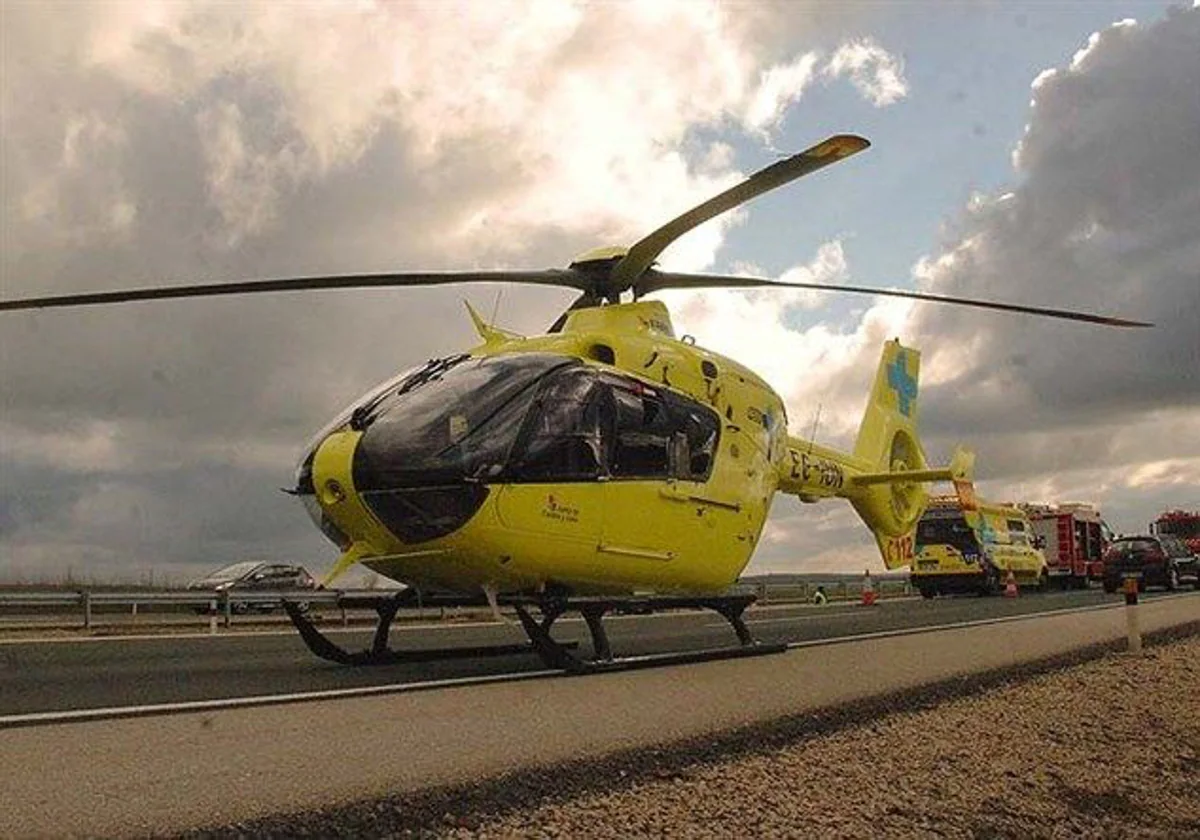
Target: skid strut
[(555, 654), (379, 653)]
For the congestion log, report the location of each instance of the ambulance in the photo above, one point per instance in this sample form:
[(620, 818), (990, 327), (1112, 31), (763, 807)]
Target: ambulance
[(974, 550)]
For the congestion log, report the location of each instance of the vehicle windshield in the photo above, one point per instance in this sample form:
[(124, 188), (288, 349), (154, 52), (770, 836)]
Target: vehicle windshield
[(531, 417), (1180, 527), (951, 530), (1129, 545), (231, 572), (458, 421)]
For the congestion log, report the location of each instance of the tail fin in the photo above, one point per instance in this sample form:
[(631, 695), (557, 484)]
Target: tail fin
[(891, 499), (889, 427)]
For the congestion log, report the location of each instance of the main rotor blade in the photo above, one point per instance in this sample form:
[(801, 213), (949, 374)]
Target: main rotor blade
[(646, 251), (657, 280), (550, 277)]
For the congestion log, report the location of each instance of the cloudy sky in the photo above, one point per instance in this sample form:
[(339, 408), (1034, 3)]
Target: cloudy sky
[(1042, 153)]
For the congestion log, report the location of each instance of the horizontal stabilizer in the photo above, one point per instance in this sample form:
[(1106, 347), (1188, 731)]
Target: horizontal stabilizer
[(961, 469)]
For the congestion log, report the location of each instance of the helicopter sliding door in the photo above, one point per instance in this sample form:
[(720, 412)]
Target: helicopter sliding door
[(659, 526), (606, 480)]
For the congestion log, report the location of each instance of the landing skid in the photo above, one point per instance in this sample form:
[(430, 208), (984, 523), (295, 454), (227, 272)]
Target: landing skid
[(554, 654), (379, 653)]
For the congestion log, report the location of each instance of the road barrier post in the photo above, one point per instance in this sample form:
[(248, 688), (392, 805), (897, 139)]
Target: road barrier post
[(227, 607), (212, 617), (87, 610), (1131, 615)]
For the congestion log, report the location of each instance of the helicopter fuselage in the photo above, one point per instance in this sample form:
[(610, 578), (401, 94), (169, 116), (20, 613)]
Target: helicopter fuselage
[(608, 457)]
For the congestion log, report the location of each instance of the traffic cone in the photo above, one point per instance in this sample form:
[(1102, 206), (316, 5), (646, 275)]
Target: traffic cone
[(1010, 586), (868, 590)]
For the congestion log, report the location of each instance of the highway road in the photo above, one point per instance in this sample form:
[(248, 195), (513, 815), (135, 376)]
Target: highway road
[(116, 672), (298, 764)]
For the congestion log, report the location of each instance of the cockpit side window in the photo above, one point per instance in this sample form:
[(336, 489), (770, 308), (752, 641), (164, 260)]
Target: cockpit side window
[(563, 437), (585, 426), (643, 435), (660, 434), (700, 429)]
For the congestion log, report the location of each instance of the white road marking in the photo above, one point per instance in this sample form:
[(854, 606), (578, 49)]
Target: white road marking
[(954, 625), (78, 715), (790, 619)]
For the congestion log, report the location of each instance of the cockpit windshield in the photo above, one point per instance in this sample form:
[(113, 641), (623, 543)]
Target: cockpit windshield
[(529, 417), (456, 420), (432, 443)]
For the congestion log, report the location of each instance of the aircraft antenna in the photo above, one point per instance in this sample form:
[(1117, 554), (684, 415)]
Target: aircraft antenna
[(812, 438), (496, 307)]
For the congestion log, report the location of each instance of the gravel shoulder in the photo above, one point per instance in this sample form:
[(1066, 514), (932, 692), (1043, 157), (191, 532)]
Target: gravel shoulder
[(1106, 748)]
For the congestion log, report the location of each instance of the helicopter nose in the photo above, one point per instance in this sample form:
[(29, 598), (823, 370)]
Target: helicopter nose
[(326, 475)]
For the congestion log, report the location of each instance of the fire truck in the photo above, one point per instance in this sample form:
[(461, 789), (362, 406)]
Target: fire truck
[(1180, 523), (1073, 538)]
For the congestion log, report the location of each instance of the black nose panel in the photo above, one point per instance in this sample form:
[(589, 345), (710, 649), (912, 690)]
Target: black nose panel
[(419, 514), (413, 513)]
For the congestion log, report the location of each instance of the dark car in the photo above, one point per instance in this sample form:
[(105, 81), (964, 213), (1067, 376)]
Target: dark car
[(1153, 560), (251, 576)]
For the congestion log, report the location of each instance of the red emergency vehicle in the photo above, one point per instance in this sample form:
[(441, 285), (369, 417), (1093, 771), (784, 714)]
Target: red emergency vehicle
[(1184, 524), (1073, 538)]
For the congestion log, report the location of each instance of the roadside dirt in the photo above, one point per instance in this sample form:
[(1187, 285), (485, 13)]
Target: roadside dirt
[(1106, 749)]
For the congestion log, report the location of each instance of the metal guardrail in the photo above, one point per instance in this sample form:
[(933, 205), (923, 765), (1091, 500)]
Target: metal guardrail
[(224, 605), (207, 602)]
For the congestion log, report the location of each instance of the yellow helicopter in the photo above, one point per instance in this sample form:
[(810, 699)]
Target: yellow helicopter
[(581, 469)]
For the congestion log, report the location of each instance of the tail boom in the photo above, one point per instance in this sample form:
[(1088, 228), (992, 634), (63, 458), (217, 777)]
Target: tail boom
[(885, 477)]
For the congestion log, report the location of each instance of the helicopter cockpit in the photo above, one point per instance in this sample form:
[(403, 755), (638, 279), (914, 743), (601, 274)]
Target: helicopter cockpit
[(433, 442)]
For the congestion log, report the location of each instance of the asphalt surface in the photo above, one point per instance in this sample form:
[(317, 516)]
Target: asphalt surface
[(94, 673), (347, 767)]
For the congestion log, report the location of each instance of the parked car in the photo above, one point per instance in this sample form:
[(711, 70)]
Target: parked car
[(1153, 560), (251, 576)]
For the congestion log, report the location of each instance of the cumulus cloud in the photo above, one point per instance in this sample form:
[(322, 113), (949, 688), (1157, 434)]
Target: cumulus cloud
[(877, 74), (1102, 215), (873, 71), (194, 141), (779, 87)]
